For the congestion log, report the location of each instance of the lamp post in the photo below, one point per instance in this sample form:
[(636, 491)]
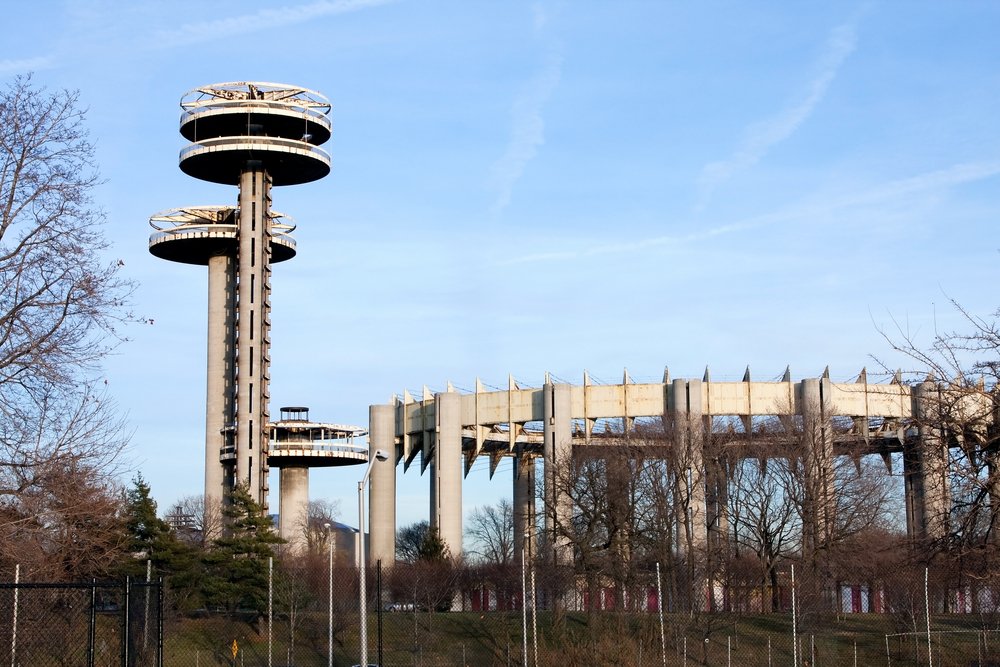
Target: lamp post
[(379, 455), (329, 611)]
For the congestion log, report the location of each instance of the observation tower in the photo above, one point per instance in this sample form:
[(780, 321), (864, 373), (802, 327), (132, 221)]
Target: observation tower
[(254, 136), (297, 444)]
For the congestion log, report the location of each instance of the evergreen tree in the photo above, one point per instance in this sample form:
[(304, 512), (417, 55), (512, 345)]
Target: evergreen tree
[(432, 548), (151, 539), (237, 562)]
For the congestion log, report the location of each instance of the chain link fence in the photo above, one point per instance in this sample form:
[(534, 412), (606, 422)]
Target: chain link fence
[(428, 614), (87, 624)]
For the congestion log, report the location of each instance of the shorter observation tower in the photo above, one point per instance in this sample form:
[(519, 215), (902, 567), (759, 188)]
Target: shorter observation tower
[(298, 444)]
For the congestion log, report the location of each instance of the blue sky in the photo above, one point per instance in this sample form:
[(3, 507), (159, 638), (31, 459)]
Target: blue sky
[(522, 187)]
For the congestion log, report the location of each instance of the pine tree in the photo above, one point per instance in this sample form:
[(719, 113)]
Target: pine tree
[(238, 561), (150, 539)]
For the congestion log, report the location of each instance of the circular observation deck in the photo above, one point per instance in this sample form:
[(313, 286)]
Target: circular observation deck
[(195, 234), (270, 126), (297, 442)]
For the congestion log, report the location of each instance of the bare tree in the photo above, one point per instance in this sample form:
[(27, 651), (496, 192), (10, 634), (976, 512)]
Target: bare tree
[(60, 305), (409, 540), (763, 517), (319, 514), (195, 520), (491, 529), (957, 375)]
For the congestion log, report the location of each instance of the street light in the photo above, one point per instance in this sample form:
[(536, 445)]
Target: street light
[(329, 612), (380, 455)]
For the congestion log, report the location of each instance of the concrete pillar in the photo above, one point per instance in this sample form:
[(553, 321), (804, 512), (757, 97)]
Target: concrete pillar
[(382, 486), (446, 472), (689, 468), (293, 507), (717, 501), (993, 488), (524, 507), (932, 497), (218, 384), (558, 453), (912, 491), (820, 505), (253, 313)]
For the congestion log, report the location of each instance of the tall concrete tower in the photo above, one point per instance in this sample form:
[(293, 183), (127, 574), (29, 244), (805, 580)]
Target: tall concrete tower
[(254, 136)]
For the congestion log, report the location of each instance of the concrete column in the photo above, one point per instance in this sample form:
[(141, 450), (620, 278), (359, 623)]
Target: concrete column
[(912, 491), (689, 468), (993, 488), (293, 507), (524, 507), (253, 334), (717, 502), (820, 505), (218, 384), (446, 472), (558, 453), (382, 486), (933, 497)]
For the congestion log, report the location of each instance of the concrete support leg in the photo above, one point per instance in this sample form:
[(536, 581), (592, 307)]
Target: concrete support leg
[(717, 502), (218, 385), (558, 453), (912, 491), (688, 471), (382, 486), (524, 507), (293, 508), (688, 464), (446, 473), (819, 503), (933, 497)]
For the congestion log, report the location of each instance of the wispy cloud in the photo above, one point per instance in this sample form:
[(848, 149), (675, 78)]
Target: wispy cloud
[(264, 19), (760, 137), (904, 188), (25, 65), (527, 131), (630, 246)]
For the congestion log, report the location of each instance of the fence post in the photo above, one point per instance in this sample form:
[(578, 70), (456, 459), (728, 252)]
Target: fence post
[(927, 610), (145, 616), (125, 621), (159, 621), (270, 608), (534, 615), (659, 605), (92, 630), (795, 642), (524, 613), (381, 606), (13, 632)]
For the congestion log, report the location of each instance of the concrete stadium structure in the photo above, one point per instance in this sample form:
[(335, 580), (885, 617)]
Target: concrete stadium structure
[(449, 431), (252, 135)]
